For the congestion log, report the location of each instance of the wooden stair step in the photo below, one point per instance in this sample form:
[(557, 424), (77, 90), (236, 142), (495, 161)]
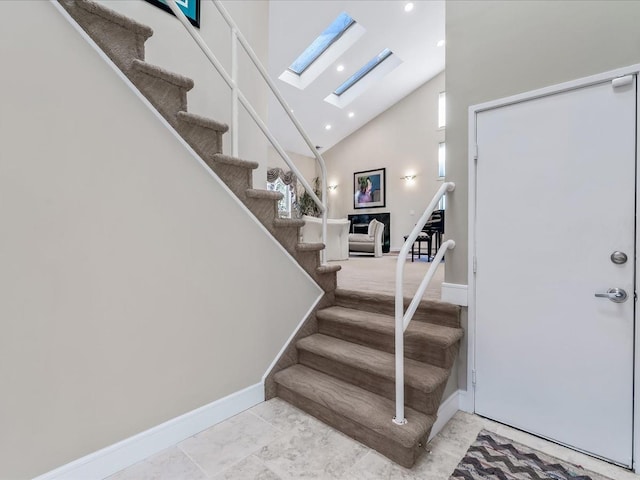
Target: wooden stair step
[(258, 193), (235, 162), (204, 122), (425, 342), (374, 370), (328, 269), (358, 413), (167, 91), (119, 36), (430, 311), (288, 223), (310, 247)]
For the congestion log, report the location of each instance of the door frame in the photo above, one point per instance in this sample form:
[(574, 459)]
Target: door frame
[(468, 401)]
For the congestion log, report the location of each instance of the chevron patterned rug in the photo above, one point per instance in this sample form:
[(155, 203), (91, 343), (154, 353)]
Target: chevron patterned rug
[(494, 457)]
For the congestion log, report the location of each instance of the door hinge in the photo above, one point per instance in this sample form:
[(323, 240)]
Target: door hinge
[(475, 264), (622, 81), (473, 378), (475, 152)]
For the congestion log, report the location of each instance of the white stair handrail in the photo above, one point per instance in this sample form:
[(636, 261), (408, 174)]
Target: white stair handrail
[(402, 319), (238, 96)]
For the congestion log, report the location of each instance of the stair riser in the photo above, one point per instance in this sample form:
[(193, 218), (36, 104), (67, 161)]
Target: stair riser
[(169, 99), (402, 455), (121, 45), (204, 141), (447, 316), (417, 349), (418, 400), (238, 179), (264, 209)]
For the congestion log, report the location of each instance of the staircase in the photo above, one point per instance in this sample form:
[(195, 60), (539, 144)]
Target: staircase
[(341, 367)]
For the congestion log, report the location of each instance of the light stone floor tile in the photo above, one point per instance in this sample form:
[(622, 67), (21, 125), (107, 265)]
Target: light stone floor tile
[(314, 452), (169, 464), (285, 416), (250, 468), (374, 466), (276, 441), (225, 444)]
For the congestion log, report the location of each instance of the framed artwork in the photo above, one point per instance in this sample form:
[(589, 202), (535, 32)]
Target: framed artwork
[(190, 8), (369, 189)]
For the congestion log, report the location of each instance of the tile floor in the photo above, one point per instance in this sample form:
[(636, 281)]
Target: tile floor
[(275, 441)]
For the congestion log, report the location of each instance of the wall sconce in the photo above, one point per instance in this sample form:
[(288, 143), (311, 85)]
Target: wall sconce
[(408, 178), (331, 188)]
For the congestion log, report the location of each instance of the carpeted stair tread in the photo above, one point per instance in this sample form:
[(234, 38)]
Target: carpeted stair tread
[(421, 376), (328, 268), (204, 122), (440, 313), (288, 222), (233, 161), (372, 411), (159, 72), (261, 193), (436, 334), (113, 16), (310, 247)]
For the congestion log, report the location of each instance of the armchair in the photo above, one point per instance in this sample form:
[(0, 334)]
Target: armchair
[(337, 231), (370, 242)]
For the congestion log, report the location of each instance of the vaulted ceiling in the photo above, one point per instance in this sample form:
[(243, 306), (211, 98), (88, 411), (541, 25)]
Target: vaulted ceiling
[(412, 36)]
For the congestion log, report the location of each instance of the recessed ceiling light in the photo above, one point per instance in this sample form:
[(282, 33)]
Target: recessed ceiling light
[(440, 43), (408, 7), (340, 68), (351, 114), (327, 127)]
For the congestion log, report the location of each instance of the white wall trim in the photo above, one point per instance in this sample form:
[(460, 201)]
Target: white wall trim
[(196, 157), (454, 293), (447, 410), (125, 453), (469, 401)]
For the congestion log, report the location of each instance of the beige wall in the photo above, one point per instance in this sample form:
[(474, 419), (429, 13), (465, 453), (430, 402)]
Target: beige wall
[(403, 139), (500, 48), (125, 266), (173, 48)]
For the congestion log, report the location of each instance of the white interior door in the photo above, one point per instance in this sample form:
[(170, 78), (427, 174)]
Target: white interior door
[(555, 197)]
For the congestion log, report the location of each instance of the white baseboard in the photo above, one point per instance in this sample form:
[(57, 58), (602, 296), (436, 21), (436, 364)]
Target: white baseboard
[(454, 293), (114, 458), (447, 410)]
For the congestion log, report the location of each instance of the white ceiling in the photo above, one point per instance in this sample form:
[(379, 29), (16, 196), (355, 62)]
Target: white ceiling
[(412, 36)]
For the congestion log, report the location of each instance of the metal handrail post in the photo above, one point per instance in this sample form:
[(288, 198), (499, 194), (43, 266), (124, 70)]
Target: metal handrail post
[(401, 322), (234, 93)]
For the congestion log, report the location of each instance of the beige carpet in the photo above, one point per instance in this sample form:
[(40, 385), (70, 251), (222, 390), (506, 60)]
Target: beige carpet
[(371, 274)]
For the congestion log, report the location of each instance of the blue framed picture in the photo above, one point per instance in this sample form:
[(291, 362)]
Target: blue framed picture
[(369, 189), (190, 8)]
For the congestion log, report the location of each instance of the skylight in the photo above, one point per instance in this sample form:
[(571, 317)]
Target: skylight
[(332, 33), (356, 77)]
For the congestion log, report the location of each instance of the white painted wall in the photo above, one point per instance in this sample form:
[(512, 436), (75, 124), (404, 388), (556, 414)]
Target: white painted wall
[(125, 266), (404, 140), (171, 47)]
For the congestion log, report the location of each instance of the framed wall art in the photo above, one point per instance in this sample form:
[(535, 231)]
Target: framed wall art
[(190, 8), (369, 189)]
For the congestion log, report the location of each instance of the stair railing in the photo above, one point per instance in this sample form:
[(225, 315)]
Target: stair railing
[(403, 318), (238, 97)]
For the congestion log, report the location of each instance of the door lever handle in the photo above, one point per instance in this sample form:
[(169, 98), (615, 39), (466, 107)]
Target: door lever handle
[(616, 295)]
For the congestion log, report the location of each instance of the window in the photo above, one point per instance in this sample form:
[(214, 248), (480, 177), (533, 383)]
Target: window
[(441, 160), (442, 110), (356, 77), (284, 205), (332, 33)]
